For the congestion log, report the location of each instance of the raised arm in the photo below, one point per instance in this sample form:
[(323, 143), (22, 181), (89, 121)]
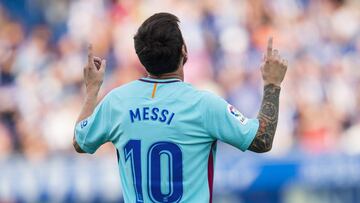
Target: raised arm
[(273, 71), (93, 78)]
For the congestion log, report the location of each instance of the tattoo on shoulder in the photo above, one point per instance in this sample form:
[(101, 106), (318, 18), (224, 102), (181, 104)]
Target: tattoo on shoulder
[(268, 118)]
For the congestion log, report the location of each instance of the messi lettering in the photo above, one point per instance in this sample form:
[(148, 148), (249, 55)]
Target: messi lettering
[(151, 114)]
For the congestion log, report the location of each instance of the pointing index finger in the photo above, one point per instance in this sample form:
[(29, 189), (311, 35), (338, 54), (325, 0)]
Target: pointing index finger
[(269, 47), (90, 54)]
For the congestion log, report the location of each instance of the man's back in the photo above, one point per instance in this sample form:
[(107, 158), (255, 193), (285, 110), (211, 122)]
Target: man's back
[(165, 133), (164, 130)]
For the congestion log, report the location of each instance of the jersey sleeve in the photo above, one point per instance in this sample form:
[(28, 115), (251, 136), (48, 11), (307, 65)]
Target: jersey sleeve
[(224, 122), (94, 131)]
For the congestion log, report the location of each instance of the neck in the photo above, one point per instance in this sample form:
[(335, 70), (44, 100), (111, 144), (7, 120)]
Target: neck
[(176, 74)]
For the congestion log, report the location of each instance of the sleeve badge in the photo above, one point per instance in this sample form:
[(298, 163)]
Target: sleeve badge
[(83, 123), (237, 114)]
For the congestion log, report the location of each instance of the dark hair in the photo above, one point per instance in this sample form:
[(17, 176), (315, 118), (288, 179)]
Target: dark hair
[(158, 43)]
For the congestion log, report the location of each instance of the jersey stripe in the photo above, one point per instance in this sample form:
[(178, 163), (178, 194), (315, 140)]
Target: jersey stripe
[(154, 90), (211, 170)]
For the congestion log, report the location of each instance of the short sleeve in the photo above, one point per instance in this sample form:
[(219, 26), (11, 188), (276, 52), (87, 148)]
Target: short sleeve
[(224, 122), (94, 131)]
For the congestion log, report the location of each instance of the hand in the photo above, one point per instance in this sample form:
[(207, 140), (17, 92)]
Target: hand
[(274, 67), (94, 73)]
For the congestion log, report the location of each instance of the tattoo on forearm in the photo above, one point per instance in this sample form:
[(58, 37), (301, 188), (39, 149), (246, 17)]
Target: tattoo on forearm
[(268, 118)]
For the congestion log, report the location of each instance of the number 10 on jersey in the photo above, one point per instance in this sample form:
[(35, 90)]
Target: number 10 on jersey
[(132, 152)]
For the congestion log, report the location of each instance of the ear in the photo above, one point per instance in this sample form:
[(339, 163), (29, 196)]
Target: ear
[(184, 53), (184, 50)]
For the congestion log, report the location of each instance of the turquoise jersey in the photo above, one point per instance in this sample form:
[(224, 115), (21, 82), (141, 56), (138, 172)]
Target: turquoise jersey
[(165, 132)]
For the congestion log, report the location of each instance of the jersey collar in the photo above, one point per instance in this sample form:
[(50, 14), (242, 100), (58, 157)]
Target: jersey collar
[(153, 80)]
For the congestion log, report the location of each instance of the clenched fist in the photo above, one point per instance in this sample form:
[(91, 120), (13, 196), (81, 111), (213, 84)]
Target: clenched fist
[(94, 72), (274, 67)]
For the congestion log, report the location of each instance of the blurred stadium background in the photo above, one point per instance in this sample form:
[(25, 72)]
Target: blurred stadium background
[(316, 154)]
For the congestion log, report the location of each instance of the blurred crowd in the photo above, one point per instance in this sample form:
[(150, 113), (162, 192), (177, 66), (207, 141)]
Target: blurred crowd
[(43, 50)]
